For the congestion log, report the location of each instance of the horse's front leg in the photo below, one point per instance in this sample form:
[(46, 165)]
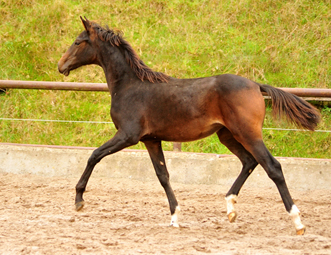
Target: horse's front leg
[(155, 152), (120, 141)]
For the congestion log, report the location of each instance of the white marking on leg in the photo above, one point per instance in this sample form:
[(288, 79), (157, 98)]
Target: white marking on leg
[(295, 216), (230, 201), (174, 218)]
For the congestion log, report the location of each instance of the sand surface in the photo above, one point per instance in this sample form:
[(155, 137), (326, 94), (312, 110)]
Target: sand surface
[(123, 216)]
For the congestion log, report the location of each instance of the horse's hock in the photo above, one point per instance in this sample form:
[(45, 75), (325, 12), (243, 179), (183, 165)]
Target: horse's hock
[(188, 168)]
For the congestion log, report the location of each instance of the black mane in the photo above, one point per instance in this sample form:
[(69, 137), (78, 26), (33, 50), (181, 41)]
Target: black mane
[(143, 72)]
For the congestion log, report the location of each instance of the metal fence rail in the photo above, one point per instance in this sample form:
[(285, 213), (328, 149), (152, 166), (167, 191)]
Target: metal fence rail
[(76, 86), (49, 85)]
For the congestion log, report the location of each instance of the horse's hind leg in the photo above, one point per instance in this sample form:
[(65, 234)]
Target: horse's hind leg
[(249, 163), (156, 154), (274, 170)]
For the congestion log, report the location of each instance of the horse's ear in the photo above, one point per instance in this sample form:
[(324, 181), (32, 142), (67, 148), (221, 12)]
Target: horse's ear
[(86, 23)]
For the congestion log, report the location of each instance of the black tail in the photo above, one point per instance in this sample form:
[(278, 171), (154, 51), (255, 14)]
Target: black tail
[(297, 110)]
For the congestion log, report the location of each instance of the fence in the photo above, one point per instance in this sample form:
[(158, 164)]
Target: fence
[(307, 93), (301, 92)]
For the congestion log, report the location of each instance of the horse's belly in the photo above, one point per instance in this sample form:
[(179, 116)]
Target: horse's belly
[(186, 133)]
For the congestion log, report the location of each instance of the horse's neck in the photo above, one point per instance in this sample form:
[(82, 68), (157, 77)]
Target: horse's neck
[(117, 71)]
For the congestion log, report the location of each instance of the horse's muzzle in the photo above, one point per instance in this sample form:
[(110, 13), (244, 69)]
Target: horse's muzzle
[(63, 68)]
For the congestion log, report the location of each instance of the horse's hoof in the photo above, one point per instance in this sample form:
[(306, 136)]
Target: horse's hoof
[(232, 216), (79, 205), (174, 225), (300, 232)]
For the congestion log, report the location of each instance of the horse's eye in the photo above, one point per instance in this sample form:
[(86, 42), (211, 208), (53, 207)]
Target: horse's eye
[(77, 43)]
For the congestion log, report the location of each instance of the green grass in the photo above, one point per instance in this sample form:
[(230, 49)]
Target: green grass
[(281, 43)]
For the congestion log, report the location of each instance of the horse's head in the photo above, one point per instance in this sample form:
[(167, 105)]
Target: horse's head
[(89, 48), (81, 52)]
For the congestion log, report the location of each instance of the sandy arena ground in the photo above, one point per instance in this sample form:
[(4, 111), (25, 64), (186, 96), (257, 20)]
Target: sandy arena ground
[(124, 216)]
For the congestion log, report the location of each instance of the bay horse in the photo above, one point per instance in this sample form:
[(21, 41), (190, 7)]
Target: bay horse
[(151, 107)]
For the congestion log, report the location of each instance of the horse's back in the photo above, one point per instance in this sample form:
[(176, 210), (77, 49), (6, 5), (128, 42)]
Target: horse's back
[(230, 83)]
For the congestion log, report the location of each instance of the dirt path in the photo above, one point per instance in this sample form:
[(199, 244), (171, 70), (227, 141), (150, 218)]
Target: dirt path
[(131, 217)]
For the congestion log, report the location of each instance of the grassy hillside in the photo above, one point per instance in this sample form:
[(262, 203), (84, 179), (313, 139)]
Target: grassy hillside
[(282, 43)]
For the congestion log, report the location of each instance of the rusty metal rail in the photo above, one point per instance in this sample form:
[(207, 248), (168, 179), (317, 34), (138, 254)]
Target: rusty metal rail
[(309, 92), (13, 84), (48, 85)]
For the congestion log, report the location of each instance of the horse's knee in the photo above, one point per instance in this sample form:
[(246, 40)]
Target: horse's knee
[(164, 179), (94, 158)]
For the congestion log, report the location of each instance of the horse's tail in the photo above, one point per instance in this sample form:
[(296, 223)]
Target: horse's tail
[(296, 110)]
